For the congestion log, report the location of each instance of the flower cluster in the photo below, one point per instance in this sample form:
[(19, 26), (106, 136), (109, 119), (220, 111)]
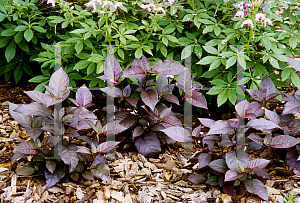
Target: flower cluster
[(94, 3), (258, 17), (151, 7)]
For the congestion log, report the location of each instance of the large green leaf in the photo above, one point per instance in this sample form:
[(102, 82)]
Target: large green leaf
[(10, 51), (28, 34)]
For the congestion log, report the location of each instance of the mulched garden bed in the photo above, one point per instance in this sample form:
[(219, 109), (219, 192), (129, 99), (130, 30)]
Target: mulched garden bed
[(134, 178)]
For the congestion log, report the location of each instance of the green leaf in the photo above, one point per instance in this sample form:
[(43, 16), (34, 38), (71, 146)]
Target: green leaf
[(148, 50), (18, 37), (123, 40), (10, 51), (227, 54), (79, 46), (81, 64), (23, 46), (210, 74), (164, 50), (231, 61), (285, 74), (211, 50), (75, 76), (28, 34), (138, 53), (91, 68), (222, 97), (8, 32), (214, 91), (18, 73), (186, 52), (21, 28), (232, 96), (121, 53), (295, 79), (208, 29), (215, 64), (219, 82), (88, 43), (198, 51), (293, 42), (208, 60), (39, 29), (241, 60), (274, 62), (131, 37), (38, 79), (217, 30), (165, 40), (79, 31), (172, 38)]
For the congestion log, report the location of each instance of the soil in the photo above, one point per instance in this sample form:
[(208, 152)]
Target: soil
[(134, 178)]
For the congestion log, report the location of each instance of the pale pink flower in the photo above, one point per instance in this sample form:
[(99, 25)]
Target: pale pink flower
[(118, 4), (171, 2), (247, 22), (239, 6), (91, 4), (107, 4), (51, 2), (159, 9), (239, 14), (260, 16), (268, 21), (149, 7)]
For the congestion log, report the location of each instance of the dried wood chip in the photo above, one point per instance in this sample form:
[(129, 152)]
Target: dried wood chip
[(55, 190)]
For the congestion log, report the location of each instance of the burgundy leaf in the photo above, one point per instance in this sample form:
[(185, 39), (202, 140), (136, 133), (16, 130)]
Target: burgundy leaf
[(33, 109), (219, 165), (228, 188), (36, 96), (197, 131), (168, 89), (74, 176), (158, 127), (197, 178), (58, 81), (178, 133), (26, 147), (69, 155), (84, 150), (255, 138), (253, 146), (139, 130), (257, 95), (184, 80), (220, 127), (26, 171), (161, 82), (101, 171), (54, 129), (294, 63), (225, 143), (74, 101), (51, 165), (257, 164), (197, 99), (85, 157), (291, 107), (293, 125), (221, 181), (118, 129), (83, 96), (132, 101), (204, 159), (211, 137), (112, 69), (18, 155), (284, 141), (241, 107), (112, 91), (106, 146), (150, 98), (34, 132), (19, 117), (53, 99), (262, 124), (146, 64), (210, 144), (148, 145), (100, 159), (70, 132), (255, 186), (86, 139), (125, 118), (231, 160), (268, 139), (127, 91), (165, 112), (212, 180), (171, 121), (49, 142), (171, 98), (255, 109), (134, 72), (81, 113), (262, 173), (88, 175), (149, 82), (167, 67), (291, 159), (272, 115), (231, 175), (268, 88), (206, 122), (55, 177)]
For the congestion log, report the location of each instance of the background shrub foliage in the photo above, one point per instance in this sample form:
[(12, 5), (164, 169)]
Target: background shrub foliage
[(207, 30)]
